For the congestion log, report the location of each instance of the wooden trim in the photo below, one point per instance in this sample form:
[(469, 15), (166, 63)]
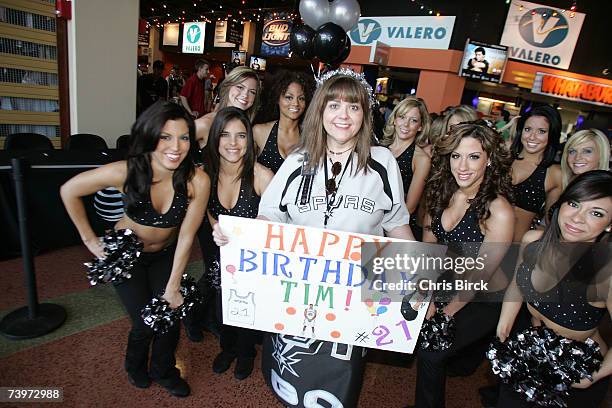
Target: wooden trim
[(27, 34), (28, 91), (29, 118), (31, 6), (28, 63), (63, 80)]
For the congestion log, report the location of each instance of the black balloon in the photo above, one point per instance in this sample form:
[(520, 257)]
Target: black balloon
[(301, 41), (344, 53), (330, 42)]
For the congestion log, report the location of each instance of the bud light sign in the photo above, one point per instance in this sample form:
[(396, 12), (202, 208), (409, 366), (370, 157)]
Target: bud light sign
[(276, 32)]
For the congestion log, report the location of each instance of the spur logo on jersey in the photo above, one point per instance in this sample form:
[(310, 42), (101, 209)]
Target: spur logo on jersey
[(543, 27), (366, 31)]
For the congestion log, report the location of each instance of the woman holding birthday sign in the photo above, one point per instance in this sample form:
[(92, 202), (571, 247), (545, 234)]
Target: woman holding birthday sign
[(564, 275), (165, 199), (468, 210), (334, 165)]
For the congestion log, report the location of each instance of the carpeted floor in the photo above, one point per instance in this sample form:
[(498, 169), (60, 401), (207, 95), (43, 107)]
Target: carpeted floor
[(85, 356)]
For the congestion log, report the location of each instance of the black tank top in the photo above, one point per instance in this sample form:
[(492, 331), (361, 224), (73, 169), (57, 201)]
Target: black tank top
[(566, 303), (530, 194), (247, 205), (404, 161), (145, 214), (465, 238), (270, 156)]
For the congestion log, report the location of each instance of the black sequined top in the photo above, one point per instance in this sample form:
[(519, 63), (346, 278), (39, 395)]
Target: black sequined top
[(465, 238), (270, 156), (530, 194), (145, 214), (404, 161), (247, 205), (566, 303)]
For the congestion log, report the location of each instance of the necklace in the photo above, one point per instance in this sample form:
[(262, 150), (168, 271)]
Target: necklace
[(339, 153), (331, 187)]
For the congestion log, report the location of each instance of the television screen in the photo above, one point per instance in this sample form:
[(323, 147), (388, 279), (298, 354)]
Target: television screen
[(257, 63), (485, 62), (239, 57)]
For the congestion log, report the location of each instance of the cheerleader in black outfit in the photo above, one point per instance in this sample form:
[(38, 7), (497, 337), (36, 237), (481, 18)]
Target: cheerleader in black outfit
[(467, 201), (291, 93), (406, 134), (558, 290), (165, 199), (237, 185)]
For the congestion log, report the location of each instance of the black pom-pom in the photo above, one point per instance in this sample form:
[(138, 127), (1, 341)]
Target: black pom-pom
[(542, 365), (158, 314), (122, 249), (437, 333)]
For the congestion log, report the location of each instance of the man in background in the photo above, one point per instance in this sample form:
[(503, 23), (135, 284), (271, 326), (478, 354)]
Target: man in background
[(192, 94), (175, 83), (151, 87)]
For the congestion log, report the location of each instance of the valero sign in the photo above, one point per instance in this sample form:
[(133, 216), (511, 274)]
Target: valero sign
[(573, 89), (404, 32), (193, 38), (541, 34)]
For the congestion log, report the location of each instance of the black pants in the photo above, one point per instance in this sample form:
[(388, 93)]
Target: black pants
[(591, 397), (474, 322), (204, 313), (236, 340), (149, 278)]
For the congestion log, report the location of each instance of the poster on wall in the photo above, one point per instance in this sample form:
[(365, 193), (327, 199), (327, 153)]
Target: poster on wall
[(404, 32), (482, 61), (171, 34), (541, 34), (310, 282), (220, 39), (276, 32), (193, 38)]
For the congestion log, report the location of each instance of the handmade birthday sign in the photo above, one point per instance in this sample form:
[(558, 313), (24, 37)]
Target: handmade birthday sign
[(312, 283)]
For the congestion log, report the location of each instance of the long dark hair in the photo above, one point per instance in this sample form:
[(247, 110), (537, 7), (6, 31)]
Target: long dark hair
[(145, 135), (588, 186), (554, 133), (211, 152), (497, 180)]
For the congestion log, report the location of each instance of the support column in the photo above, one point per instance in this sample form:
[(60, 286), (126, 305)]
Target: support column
[(440, 89), (102, 48)]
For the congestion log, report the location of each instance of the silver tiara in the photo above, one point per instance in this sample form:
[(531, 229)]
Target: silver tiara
[(350, 73)]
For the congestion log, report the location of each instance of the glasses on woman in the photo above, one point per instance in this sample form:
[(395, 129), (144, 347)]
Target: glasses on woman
[(331, 186)]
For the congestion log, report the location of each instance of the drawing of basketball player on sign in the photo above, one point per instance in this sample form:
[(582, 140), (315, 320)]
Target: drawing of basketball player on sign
[(310, 314)]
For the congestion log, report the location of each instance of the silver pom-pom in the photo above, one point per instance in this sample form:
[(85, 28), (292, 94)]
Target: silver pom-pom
[(542, 365), (438, 333), (122, 249), (158, 314)]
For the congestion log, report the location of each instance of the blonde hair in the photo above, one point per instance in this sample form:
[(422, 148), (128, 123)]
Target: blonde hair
[(463, 112), (314, 140), (437, 129), (402, 108), (594, 135), (235, 77)]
